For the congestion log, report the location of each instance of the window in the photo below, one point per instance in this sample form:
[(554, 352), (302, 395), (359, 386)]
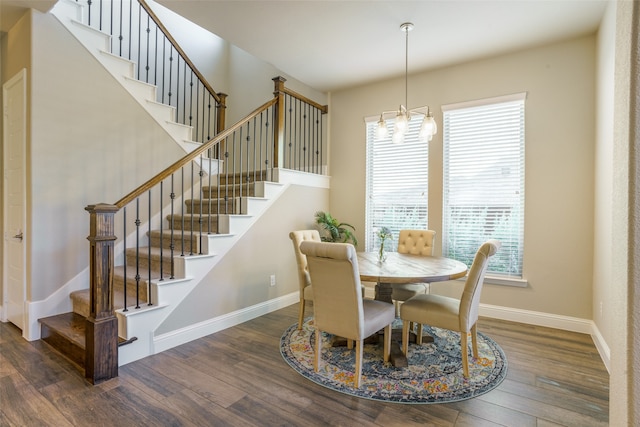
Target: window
[(484, 181), (397, 182)]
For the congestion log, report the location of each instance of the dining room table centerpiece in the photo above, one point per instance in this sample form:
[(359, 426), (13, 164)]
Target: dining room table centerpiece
[(384, 234)]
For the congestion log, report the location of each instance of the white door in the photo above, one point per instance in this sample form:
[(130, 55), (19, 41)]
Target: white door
[(14, 94)]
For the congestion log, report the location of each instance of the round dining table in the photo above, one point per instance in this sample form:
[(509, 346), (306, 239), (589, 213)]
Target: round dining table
[(405, 268)]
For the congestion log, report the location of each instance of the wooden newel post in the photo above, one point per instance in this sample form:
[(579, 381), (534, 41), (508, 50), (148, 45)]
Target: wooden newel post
[(278, 125), (101, 357), (221, 118)]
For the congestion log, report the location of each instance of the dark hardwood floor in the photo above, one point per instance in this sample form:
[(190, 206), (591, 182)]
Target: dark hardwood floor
[(237, 377)]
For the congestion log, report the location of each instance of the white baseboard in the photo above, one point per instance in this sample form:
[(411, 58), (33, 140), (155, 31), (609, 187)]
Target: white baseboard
[(181, 336), (602, 346), (175, 338), (565, 323)]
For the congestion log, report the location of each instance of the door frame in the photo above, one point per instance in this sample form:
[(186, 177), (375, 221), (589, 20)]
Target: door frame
[(19, 78)]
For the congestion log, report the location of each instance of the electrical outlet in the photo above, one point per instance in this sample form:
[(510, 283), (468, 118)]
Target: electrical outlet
[(272, 279), (600, 308)]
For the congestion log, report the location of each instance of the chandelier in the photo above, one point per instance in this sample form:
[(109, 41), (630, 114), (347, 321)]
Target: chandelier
[(403, 115)]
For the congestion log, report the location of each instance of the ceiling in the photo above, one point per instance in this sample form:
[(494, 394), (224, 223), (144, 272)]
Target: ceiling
[(331, 44)]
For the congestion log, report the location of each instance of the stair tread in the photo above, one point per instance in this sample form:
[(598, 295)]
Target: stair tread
[(70, 325)]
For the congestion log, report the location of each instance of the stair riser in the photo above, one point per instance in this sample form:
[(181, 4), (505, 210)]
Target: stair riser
[(80, 300), (230, 192), (72, 350), (118, 284), (190, 243), (237, 179), (206, 208), (143, 264), (194, 225)]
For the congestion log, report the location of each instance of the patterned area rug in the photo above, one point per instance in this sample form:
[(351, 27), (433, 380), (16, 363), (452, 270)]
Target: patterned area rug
[(434, 374)]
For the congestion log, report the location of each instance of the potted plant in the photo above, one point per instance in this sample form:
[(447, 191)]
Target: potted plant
[(335, 231)]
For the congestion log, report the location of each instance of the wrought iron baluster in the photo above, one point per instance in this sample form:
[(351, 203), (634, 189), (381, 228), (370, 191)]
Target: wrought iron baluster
[(191, 101), (191, 227), (182, 215), (254, 154), (172, 241), (124, 245), (148, 37), (120, 37), (161, 234), (149, 248), (201, 173), (289, 133), (137, 254), (170, 75)]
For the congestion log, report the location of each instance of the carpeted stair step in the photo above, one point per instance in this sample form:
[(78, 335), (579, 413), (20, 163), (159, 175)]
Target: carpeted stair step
[(145, 255), (246, 189), (80, 299), (212, 206), (182, 242), (207, 223), (243, 177), (118, 279)]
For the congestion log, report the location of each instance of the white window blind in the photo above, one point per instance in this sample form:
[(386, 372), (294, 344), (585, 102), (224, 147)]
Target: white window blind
[(397, 183), (484, 181)]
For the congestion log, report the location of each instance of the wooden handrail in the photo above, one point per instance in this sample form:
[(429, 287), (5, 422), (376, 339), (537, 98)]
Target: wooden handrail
[(279, 81), (190, 157), (323, 108), (175, 44)]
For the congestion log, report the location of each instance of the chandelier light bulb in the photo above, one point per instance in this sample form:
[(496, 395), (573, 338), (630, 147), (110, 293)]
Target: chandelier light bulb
[(381, 130), (402, 120), (398, 137)]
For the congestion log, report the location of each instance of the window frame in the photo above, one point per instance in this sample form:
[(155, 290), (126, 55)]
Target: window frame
[(454, 112)]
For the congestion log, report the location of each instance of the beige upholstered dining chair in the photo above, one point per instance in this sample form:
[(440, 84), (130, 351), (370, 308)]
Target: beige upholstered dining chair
[(415, 242), (450, 313), (338, 306), (306, 293)]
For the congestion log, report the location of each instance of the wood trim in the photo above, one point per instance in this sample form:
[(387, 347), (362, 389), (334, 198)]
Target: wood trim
[(281, 88)]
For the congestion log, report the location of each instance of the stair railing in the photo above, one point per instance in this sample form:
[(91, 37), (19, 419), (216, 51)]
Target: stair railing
[(172, 214), (138, 35)]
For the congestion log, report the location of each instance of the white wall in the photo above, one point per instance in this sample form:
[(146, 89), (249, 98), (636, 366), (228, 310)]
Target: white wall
[(560, 109), (91, 142)]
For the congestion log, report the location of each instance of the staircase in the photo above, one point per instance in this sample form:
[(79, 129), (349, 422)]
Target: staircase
[(168, 251), (66, 332)]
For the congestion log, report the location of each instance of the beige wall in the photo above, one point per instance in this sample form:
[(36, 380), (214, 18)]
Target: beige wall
[(560, 82), (622, 331)]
